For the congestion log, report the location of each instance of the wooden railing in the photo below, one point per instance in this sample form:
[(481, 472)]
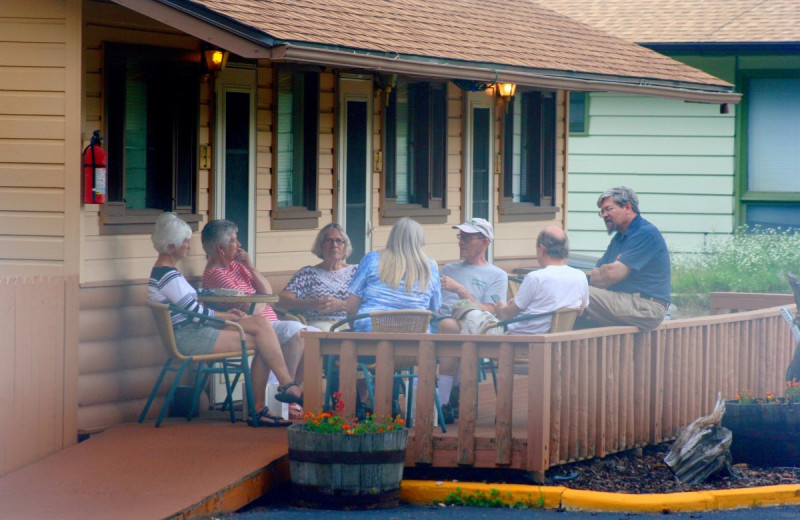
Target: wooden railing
[(589, 392)]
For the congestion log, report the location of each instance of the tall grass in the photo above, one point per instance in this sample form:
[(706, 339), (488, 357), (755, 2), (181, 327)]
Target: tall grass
[(750, 260)]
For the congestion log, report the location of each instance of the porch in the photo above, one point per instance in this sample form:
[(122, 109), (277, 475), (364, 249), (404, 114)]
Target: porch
[(595, 392)]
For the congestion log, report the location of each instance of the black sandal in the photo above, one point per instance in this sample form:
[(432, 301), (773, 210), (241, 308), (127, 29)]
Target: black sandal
[(268, 420), (284, 397)]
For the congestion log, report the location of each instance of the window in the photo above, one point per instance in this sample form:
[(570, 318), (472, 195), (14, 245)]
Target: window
[(529, 156), (772, 189), (415, 155), (152, 102), (296, 147), (578, 113)]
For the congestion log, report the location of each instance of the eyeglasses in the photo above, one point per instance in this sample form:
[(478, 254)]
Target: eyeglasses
[(467, 238), (606, 210), (337, 241)]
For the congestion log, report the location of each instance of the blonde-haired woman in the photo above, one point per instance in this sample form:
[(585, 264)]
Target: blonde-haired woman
[(401, 276)]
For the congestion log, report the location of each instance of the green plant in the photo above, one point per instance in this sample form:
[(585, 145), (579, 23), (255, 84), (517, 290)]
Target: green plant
[(493, 499), (750, 260), (333, 422), (793, 391), (745, 397)]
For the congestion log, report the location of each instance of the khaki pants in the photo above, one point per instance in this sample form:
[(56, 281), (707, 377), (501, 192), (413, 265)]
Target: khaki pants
[(619, 308)]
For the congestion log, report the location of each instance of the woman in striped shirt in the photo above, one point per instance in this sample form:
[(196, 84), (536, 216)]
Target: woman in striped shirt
[(194, 336)]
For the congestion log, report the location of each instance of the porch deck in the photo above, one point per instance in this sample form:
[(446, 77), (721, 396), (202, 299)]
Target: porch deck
[(182, 470)]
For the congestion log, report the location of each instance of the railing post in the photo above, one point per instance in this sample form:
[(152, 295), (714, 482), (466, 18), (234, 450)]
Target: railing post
[(504, 407), (539, 363), (468, 412), (423, 421)]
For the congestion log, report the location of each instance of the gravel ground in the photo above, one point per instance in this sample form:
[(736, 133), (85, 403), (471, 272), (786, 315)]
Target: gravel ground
[(621, 473)]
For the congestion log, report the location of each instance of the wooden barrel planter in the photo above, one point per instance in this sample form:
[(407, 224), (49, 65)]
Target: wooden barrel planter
[(338, 471), (764, 434)]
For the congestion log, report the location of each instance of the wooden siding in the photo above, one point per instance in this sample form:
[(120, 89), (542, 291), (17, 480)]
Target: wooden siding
[(590, 392), (38, 378), (120, 258), (677, 156), (38, 112), (127, 257)]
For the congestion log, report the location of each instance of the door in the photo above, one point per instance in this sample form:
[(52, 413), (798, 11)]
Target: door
[(234, 181), (479, 200), (355, 179)]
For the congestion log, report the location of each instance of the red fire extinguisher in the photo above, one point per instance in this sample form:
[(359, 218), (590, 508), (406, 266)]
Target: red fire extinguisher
[(94, 171)]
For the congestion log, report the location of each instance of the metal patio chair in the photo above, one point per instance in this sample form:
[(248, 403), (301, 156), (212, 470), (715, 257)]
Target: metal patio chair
[(229, 364)]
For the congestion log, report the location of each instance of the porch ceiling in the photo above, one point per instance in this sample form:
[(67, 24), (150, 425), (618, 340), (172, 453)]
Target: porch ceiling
[(521, 42)]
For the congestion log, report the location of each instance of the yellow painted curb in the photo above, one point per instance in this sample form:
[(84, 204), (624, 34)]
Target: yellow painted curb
[(654, 503), (423, 492), (761, 496)]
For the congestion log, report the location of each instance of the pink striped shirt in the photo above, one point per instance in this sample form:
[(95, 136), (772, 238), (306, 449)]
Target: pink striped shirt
[(235, 276)]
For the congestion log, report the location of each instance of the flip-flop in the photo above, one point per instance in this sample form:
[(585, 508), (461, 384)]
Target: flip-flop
[(268, 420), (285, 397)]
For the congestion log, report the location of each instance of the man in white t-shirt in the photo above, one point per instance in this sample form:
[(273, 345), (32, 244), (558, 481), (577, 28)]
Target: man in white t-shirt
[(556, 285), (472, 278)]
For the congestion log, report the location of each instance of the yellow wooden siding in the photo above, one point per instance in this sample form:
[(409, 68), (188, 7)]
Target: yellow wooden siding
[(36, 74), (127, 257)]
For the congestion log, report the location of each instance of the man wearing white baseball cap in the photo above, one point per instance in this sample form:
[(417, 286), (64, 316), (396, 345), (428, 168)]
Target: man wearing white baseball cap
[(473, 278)]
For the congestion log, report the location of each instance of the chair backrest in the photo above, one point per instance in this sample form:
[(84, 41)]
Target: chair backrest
[(400, 321), (164, 324), (564, 319), (514, 281)]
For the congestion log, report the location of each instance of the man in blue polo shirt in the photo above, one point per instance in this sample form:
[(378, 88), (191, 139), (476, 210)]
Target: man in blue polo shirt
[(631, 283)]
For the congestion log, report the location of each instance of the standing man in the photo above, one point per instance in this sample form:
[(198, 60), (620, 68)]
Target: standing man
[(474, 279), (556, 285), (631, 283)]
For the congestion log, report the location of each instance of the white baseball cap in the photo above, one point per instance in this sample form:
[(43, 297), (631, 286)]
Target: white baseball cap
[(477, 225)]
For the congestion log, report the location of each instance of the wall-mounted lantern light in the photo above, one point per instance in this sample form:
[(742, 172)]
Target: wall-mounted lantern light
[(215, 59)]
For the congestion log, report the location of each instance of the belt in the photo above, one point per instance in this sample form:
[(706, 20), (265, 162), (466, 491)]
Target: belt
[(665, 303)]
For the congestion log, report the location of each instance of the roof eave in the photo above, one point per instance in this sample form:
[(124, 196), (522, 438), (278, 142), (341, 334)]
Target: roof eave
[(551, 79), (249, 42)]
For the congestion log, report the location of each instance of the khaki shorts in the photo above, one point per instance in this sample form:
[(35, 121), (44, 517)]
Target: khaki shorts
[(619, 308), (195, 339)]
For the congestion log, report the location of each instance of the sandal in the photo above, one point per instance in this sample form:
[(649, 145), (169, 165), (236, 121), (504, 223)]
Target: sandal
[(267, 419), (285, 397)]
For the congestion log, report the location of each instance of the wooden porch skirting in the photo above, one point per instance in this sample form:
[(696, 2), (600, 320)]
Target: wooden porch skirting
[(590, 392)]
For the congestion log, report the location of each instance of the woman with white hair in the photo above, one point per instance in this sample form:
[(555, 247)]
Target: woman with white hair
[(319, 292), (194, 336), (402, 276)]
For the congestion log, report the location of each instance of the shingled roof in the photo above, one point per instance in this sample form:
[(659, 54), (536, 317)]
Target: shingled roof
[(518, 41), (690, 21)]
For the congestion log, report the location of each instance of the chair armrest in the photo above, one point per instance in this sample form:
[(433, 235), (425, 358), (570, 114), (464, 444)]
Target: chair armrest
[(348, 320), (516, 319)]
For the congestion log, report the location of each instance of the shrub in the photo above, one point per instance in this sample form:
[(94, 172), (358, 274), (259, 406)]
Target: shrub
[(751, 260)]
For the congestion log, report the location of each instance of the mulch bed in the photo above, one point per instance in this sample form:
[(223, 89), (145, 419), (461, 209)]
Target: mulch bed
[(620, 473)]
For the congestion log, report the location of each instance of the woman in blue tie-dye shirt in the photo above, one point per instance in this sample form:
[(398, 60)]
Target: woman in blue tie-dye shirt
[(401, 276)]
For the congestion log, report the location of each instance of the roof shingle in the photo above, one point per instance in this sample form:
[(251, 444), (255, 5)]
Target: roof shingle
[(689, 21), (516, 33)]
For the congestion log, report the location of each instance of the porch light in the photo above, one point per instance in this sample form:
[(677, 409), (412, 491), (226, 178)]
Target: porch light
[(215, 59), (506, 91)]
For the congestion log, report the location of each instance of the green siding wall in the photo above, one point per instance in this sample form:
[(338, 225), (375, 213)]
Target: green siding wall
[(679, 157)]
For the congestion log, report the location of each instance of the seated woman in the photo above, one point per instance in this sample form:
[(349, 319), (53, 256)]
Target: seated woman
[(230, 267), (401, 276), (193, 337), (319, 292)]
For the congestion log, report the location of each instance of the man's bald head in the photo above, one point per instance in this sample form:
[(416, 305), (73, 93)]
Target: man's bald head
[(555, 241)]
